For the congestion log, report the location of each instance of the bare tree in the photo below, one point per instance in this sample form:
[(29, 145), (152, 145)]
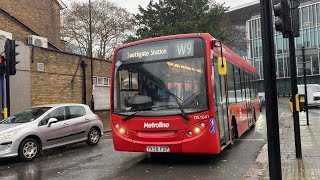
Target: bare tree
[(233, 36), (111, 25)]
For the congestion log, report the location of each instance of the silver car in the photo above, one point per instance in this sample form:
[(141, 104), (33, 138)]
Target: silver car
[(26, 133)]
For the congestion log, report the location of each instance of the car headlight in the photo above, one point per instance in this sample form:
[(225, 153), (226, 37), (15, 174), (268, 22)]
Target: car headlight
[(8, 134)]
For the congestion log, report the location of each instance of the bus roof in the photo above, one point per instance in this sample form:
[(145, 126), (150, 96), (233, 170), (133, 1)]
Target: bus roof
[(231, 56), (163, 38)]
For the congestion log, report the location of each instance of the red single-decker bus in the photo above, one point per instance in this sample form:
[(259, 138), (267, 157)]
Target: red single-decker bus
[(168, 95)]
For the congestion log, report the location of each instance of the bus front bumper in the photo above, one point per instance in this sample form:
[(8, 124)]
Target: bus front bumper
[(202, 144)]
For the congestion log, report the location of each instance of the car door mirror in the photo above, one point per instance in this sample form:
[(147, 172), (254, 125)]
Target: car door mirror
[(51, 121)]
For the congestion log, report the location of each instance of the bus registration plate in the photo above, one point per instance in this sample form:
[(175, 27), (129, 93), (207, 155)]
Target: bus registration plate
[(158, 149)]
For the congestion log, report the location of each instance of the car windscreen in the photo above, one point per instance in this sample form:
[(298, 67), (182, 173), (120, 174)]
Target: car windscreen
[(26, 115)]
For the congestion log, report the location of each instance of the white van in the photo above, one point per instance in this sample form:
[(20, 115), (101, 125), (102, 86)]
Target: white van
[(313, 92)]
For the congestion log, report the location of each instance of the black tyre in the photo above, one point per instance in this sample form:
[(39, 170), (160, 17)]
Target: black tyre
[(29, 149), (93, 136)]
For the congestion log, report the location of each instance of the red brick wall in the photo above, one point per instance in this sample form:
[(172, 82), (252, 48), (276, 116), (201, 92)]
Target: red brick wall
[(61, 80)]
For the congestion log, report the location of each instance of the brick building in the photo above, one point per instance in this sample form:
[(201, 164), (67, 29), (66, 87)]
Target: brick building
[(33, 17), (45, 73)]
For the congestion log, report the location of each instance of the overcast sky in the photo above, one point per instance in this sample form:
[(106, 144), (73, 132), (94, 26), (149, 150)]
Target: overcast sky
[(132, 5)]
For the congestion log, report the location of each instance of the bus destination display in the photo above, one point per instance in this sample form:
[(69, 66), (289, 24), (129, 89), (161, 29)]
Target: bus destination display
[(166, 50)]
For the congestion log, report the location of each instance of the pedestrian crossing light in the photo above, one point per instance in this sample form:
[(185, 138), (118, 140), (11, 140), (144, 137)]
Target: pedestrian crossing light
[(283, 18), (2, 65)]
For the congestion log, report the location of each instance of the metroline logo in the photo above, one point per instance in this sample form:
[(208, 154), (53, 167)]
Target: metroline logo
[(156, 125)]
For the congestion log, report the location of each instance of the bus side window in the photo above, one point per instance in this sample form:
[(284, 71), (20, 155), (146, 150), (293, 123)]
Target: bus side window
[(231, 85), (251, 86), (238, 84), (243, 85)]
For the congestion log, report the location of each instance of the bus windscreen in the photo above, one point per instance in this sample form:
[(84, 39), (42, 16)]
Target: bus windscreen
[(155, 75)]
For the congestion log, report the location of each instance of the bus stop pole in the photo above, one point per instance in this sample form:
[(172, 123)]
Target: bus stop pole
[(305, 85), (270, 90)]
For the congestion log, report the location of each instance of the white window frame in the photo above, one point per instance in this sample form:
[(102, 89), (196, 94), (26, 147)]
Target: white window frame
[(105, 81)]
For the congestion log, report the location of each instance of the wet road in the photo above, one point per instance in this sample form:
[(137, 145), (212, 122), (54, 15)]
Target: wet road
[(102, 162)]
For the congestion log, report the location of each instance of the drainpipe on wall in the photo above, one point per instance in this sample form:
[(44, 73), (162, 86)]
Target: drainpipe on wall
[(84, 86)]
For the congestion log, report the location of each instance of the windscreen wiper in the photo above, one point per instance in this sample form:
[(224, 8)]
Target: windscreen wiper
[(183, 113), (131, 115)]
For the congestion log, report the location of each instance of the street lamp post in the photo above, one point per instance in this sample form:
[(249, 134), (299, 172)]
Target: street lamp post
[(91, 58)]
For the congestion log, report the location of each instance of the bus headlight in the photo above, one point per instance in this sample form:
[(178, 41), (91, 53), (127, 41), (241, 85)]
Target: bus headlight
[(122, 130), (196, 129)]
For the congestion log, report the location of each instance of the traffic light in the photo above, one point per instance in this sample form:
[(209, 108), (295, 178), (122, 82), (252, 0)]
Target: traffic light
[(295, 19), (282, 12), (10, 51), (2, 65)]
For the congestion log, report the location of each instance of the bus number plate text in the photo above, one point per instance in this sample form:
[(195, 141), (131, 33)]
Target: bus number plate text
[(158, 149)]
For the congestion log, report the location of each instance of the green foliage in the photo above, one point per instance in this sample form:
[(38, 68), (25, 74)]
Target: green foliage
[(167, 17)]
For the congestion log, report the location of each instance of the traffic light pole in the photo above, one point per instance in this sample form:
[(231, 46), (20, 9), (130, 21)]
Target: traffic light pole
[(7, 90), (294, 91), (2, 95), (270, 90)]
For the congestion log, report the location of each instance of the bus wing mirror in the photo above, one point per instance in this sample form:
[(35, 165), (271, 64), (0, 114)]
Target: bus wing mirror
[(222, 66)]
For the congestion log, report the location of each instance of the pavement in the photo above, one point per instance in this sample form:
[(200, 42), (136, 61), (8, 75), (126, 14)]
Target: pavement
[(308, 167)]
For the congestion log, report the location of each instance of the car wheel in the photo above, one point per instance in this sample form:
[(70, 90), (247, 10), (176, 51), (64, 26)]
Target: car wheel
[(93, 136), (28, 149)]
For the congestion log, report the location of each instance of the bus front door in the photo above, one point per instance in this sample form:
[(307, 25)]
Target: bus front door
[(220, 104)]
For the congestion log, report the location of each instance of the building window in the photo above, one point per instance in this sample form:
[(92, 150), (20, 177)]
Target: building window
[(94, 80), (280, 68), (300, 65), (286, 67), (318, 35), (315, 65), (306, 39), (108, 82), (101, 81), (305, 18), (279, 43), (318, 14), (299, 41), (309, 38)]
